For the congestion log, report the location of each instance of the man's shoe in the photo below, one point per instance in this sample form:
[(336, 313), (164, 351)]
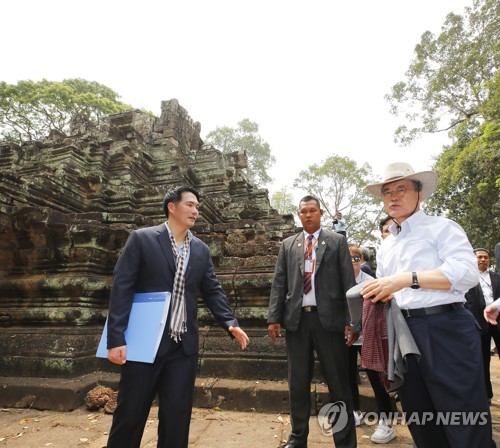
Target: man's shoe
[(383, 433), (292, 445)]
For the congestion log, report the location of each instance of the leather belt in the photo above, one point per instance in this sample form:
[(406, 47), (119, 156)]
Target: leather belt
[(432, 310), (309, 309)]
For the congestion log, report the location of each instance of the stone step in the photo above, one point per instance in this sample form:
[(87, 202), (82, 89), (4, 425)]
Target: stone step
[(57, 394)]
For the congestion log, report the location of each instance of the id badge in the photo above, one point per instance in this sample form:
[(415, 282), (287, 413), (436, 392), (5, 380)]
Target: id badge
[(309, 266)]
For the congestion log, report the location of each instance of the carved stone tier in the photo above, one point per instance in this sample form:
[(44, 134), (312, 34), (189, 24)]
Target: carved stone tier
[(67, 205)]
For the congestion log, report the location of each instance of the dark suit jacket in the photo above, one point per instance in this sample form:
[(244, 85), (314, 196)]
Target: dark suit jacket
[(147, 265), (333, 277), (475, 300)]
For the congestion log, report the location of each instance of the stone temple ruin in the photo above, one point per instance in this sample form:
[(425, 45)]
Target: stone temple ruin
[(67, 204)]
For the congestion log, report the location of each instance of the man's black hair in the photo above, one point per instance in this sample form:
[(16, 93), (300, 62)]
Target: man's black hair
[(175, 195), (308, 198), (417, 185), (383, 222), (481, 249)]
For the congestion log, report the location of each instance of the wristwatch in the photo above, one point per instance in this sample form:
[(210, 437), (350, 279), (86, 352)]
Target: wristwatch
[(414, 281)]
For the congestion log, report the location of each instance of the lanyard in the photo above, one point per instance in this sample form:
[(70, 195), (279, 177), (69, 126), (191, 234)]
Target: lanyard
[(484, 281), (310, 248)]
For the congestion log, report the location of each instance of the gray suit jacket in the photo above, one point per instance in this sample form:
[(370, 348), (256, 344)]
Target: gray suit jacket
[(334, 275)]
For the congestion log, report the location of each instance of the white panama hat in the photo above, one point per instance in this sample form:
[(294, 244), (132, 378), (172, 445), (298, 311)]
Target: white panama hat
[(402, 170)]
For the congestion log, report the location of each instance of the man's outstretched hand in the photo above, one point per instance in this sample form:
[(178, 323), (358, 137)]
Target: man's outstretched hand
[(241, 336)]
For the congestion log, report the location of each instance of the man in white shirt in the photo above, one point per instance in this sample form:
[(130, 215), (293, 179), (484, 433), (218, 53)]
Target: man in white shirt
[(338, 224), (427, 264)]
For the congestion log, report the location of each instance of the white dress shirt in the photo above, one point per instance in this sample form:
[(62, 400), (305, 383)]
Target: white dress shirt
[(309, 299), (426, 243), (497, 304), (485, 282)]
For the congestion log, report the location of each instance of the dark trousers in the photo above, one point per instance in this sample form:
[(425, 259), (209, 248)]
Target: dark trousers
[(493, 332), (382, 397), (172, 377), (385, 406), (332, 353), (448, 378), (353, 374)]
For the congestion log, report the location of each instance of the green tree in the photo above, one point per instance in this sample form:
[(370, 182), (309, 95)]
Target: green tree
[(282, 201), (454, 77), (245, 138), (447, 83), (30, 110), (339, 185), (469, 177)]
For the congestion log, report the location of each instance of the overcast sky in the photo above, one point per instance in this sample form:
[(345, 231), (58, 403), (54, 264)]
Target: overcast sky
[(312, 74)]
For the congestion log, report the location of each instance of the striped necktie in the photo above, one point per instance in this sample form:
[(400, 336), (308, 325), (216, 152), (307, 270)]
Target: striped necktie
[(308, 257)]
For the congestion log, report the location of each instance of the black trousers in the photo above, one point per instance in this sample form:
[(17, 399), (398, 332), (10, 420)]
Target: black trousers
[(493, 332), (331, 350), (172, 377), (353, 374), (447, 379), (382, 398)]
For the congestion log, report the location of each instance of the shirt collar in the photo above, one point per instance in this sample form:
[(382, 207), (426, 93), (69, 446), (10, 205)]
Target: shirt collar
[(190, 235), (410, 223), (315, 234)]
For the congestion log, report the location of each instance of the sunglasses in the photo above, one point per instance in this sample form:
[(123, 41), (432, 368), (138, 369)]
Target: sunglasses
[(355, 259)]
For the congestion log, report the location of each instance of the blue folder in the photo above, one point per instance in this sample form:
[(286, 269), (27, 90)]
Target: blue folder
[(146, 324)]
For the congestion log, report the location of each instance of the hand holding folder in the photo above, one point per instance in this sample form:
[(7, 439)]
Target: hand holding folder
[(146, 324)]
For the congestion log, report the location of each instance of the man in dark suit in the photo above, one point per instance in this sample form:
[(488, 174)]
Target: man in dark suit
[(308, 299), (164, 258), (483, 294)]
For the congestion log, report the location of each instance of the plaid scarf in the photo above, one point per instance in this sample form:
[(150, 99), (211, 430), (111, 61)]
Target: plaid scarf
[(375, 352), (179, 314)]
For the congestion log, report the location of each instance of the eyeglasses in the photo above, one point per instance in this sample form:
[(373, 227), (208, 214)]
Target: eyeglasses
[(398, 192), (355, 259)]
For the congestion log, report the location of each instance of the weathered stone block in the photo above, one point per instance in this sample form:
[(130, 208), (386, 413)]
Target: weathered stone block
[(67, 205)]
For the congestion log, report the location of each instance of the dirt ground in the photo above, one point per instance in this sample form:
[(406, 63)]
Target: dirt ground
[(210, 428)]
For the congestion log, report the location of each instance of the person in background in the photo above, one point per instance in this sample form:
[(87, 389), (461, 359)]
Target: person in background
[(365, 261), (338, 224), (384, 225), (308, 298), (384, 433), (427, 264), (482, 295), (167, 257)]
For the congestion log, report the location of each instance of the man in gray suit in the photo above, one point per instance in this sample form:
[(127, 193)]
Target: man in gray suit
[(308, 299)]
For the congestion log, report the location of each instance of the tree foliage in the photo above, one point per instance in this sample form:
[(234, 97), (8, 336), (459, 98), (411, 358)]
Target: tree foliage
[(469, 177), (454, 77), (447, 83), (282, 201), (339, 185), (30, 110), (245, 137)]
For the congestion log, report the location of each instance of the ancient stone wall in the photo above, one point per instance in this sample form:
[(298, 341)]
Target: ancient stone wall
[(67, 205)]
